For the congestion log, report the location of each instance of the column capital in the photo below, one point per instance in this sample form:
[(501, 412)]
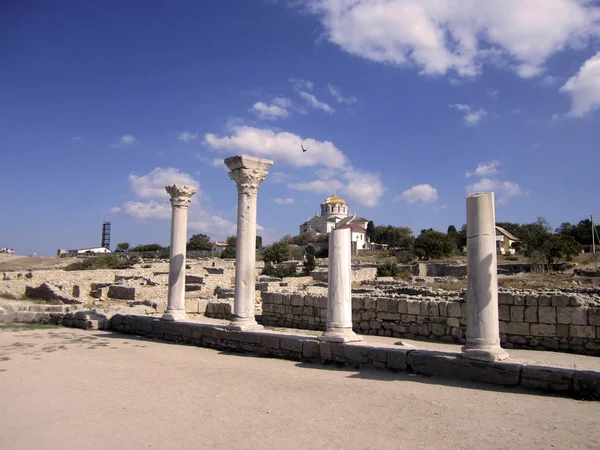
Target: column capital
[(248, 180), (181, 194)]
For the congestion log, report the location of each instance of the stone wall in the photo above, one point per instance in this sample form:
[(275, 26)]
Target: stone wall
[(541, 321), (359, 274)]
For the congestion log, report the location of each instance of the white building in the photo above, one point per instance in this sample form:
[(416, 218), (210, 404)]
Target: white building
[(505, 241), (334, 214), (87, 251)]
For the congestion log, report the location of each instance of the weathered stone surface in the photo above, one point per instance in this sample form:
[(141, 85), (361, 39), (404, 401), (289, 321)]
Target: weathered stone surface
[(517, 313), (580, 331), (121, 292), (550, 379), (396, 359), (547, 314), (454, 366), (541, 329)]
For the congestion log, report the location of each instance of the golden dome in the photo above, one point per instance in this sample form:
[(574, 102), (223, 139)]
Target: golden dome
[(334, 200)]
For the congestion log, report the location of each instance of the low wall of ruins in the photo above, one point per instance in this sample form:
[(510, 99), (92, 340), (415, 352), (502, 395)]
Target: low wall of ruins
[(359, 274), (531, 320)]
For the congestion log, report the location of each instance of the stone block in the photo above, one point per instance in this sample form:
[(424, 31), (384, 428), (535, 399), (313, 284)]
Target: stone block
[(392, 305), (560, 300), (443, 307), (582, 331), (121, 292), (310, 349), (370, 303), (438, 330), (505, 298), (544, 300), (547, 378), (504, 312), (453, 322), (531, 314), (413, 307), (377, 354), (271, 341), (517, 313), (547, 314), (454, 309), (562, 330), (541, 329), (519, 300), (297, 300), (517, 328), (580, 316), (381, 305), (594, 316), (402, 306), (433, 309), (454, 366), (576, 301), (531, 300), (586, 384), (388, 316), (358, 303), (396, 359), (356, 355), (322, 302)]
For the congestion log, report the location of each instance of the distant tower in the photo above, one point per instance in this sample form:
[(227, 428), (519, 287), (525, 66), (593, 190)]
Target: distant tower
[(106, 235)]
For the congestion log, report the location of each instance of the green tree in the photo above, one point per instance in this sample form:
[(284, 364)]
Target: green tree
[(582, 232), (278, 252), (258, 242), (388, 269), (399, 237), (453, 233), (147, 248), (309, 264), (199, 242), (229, 251), (433, 244), (122, 247), (562, 248), (371, 231)]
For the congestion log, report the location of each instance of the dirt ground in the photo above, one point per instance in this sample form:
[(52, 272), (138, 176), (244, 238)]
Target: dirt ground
[(9, 263), (71, 389)]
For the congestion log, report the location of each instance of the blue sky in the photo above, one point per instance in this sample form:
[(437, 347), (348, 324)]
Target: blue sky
[(405, 106)]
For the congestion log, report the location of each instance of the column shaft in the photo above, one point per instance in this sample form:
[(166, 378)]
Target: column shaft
[(483, 334), (180, 199), (339, 289)]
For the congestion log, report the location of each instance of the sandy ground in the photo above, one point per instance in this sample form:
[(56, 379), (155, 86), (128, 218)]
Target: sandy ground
[(10, 263), (71, 389)]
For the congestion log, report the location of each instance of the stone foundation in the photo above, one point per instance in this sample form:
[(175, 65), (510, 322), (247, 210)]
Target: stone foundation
[(530, 321)]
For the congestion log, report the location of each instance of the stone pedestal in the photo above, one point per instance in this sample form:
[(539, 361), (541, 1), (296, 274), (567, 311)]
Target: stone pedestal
[(247, 172), (483, 333), (339, 289), (181, 196)]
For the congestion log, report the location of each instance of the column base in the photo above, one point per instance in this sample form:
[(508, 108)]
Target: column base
[(340, 335), (175, 315), (485, 354), (244, 324)]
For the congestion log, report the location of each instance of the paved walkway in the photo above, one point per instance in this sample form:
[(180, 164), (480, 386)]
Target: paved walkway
[(71, 389)]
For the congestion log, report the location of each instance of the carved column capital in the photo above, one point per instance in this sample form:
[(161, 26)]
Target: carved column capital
[(248, 180), (181, 195)]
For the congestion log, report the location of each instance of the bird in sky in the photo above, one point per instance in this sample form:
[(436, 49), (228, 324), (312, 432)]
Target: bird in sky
[(303, 149)]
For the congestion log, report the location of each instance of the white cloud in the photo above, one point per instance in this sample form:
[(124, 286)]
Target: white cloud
[(315, 103), (153, 184), (584, 88), (300, 84), (278, 177), (157, 205), (317, 186), (128, 139), (284, 201), (485, 169), (77, 139), (186, 136), (504, 190), (421, 193), (493, 93), (271, 112), (548, 80), (471, 117), (281, 145), (439, 36), (337, 94), (363, 188)]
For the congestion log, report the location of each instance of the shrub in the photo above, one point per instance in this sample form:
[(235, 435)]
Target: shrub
[(309, 264), (511, 258), (104, 262), (280, 271), (388, 269), (146, 266)]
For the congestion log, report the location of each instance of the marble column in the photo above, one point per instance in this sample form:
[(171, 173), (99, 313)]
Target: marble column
[(339, 289), (247, 172), (483, 333), (181, 196)]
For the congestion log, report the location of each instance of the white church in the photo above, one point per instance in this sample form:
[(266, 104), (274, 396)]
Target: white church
[(334, 215)]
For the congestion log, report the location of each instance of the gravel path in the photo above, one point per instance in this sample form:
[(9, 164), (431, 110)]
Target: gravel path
[(70, 389)]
